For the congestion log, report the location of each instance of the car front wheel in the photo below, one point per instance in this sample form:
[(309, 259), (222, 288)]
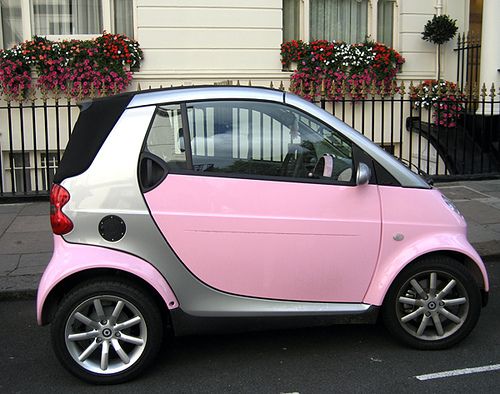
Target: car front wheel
[(432, 304), (107, 331)]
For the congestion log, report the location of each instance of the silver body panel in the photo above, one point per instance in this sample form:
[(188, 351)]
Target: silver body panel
[(205, 93), (110, 187)]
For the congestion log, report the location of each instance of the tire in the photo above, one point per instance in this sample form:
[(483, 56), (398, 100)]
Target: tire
[(107, 331), (432, 304)]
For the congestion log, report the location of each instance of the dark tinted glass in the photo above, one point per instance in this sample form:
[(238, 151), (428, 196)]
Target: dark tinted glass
[(266, 139)]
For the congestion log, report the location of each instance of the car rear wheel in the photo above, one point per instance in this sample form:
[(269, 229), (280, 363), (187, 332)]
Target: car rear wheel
[(107, 331), (432, 304)]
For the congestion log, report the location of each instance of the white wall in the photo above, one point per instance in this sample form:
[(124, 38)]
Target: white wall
[(212, 40), (420, 55), (209, 39)]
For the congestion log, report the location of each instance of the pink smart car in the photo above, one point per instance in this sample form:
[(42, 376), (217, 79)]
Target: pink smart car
[(217, 208)]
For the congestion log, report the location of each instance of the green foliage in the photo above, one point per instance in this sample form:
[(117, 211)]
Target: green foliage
[(440, 29)]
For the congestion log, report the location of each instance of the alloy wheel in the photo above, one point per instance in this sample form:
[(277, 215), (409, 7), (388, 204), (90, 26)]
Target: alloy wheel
[(106, 334), (432, 305)]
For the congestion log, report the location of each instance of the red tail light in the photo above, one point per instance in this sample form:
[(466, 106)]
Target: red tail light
[(59, 197)]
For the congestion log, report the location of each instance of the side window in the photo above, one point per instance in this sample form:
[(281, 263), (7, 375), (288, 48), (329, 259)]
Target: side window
[(165, 139), (265, 139)]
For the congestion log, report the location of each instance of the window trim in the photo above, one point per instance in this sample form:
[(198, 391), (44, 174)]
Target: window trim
[(107, 22), (1, 29), (190, 167), (372, 22)]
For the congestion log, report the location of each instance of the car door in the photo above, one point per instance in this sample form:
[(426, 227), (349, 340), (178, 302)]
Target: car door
[(260, 201)]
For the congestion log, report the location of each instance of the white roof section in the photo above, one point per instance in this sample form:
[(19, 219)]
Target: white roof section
[(176, 95)]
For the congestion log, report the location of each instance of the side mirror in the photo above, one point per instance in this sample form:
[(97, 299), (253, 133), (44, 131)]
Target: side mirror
[(363, 174)]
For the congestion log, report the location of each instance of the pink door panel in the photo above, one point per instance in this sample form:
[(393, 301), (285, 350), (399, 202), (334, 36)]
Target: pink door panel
[(280, 240)]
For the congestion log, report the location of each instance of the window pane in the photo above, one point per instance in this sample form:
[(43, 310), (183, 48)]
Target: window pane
[(10, 13), (22, 172), (66, 16), (52, 162), (254, 138), (123, 11), (165, 138), (385, 21), (291, 20), (339, 20)]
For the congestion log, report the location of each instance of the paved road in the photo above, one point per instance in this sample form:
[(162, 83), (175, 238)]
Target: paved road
[(338, 359)]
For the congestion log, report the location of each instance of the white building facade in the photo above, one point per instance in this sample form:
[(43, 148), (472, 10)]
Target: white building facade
[(209, 41)]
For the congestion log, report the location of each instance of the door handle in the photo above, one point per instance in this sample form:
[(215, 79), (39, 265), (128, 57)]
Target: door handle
[(152, 171)]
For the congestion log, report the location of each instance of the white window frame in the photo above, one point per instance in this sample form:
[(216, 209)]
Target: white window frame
[(107, 22), (29, 169), (304, 27), (53, 165), (1, 30)]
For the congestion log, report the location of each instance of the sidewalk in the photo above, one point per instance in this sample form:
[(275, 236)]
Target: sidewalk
[(26, 238)]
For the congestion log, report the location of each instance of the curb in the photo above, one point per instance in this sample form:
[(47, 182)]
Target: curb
[(487, 250)]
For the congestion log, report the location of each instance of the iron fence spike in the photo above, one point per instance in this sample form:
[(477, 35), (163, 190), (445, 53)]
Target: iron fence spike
[(441, 90), (92, 90), (467, 88), (353, 91), (411, 89), (363, 87), (33, 96), (394, 87), (402, 89), (383, 88), (484, 91), (475, 91)]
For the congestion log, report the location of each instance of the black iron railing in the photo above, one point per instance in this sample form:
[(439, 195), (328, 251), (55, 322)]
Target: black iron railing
[(34, 134), (453, 136), (468, 61)]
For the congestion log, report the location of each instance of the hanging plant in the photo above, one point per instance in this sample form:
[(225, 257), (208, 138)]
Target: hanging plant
[(444, 98), (340, 68), (80, 68)]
